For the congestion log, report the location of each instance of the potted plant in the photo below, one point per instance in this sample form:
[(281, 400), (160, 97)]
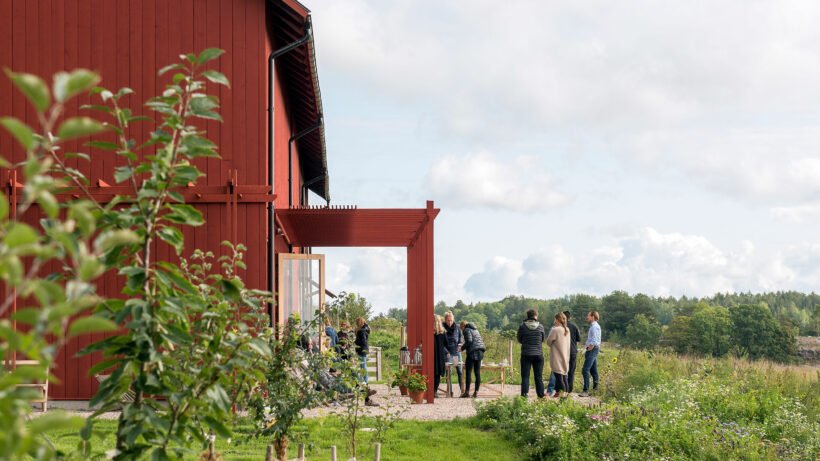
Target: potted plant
[(416, 385), (400, 380)]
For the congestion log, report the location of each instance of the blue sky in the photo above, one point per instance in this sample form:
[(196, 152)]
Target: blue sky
[(659, 147)]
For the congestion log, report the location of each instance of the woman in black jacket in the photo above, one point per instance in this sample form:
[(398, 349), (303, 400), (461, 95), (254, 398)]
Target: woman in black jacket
[(362, 348), (474, 346), (439, 352)]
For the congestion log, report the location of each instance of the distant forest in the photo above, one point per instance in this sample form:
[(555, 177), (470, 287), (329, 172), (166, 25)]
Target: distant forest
[(754, 325)]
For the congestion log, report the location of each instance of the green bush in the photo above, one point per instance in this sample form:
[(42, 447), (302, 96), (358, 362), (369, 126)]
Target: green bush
[(670, 407)]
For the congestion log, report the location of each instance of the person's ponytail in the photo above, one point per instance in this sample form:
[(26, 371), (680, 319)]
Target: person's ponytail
[(562, 319)]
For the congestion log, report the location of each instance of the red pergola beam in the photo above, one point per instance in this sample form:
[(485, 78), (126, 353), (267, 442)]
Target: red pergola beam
[(410, 228)]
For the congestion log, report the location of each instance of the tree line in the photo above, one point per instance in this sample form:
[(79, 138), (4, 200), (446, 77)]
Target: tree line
[(755, 325)]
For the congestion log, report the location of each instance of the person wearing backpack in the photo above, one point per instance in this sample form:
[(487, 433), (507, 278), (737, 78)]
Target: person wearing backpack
[(474, 346)]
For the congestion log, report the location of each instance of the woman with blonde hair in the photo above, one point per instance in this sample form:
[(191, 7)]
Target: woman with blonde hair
[(439, 351), (558, 341)]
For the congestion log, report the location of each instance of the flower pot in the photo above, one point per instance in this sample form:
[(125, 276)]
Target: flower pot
[(417, 396), (403, 390)]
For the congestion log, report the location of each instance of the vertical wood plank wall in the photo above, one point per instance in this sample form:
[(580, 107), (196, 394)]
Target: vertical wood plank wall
[(127, 42)]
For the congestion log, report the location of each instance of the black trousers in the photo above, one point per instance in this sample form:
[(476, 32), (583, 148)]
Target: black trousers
[(561, 382), (536, 362), (473, 362), (573, 361)]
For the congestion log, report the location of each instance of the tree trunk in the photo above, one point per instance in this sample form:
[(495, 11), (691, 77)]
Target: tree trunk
[(281, 446)]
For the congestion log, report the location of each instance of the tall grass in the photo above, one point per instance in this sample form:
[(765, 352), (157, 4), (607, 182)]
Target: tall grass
[(664, 406)]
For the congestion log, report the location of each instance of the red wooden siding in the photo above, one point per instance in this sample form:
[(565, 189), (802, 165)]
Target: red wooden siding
[(127, 42)]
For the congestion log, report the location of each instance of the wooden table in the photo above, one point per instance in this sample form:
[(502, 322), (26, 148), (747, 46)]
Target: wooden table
[(502, 369)]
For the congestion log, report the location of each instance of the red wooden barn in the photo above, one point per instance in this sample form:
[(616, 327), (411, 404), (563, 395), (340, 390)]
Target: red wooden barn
[(272, 142)]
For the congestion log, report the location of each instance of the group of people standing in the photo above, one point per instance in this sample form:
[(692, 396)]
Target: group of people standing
[(449, 341), (340, 341), (562, 339)]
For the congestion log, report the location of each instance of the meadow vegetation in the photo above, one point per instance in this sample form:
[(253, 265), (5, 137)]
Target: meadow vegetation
[(664, 406)]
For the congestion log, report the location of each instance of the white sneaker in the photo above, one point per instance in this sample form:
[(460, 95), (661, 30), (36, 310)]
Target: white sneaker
[(551, 394), (583, 394)]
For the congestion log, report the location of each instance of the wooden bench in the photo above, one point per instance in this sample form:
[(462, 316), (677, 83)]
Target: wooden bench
[(42, 387)]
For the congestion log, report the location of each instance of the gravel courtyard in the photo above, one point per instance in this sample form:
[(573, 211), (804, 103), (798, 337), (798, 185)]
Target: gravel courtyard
[(443, 409)]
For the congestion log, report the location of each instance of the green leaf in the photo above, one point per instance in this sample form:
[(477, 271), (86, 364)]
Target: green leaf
[(27, 315), (218, 427), (79, 212), (185, 174), (184, 214), (104, 145), (170, 67), (115, 238), (85, 157), (48, 202), (122, 173), (261, 347), (201, 105), (78, 127), (173, 276), (4, 206), (21, 132), (66, 85), (172, 236), (217, 77), (81, 80), (159, 454), (33, 87), (102, 366), (20, 234), (91, 324), (90, 269), (230, 288), (208, 55)]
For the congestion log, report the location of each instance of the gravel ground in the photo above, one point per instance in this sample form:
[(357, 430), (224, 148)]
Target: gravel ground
[(388, 400), (442, 409)]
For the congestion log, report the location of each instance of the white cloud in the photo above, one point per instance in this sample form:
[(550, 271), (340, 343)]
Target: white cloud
[(722, 91), (378, 274), (798, 214), (651, 262), (497, 280), (482, 180)]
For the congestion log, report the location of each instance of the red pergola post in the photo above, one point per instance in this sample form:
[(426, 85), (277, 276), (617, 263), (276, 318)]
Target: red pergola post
[(420, 297)]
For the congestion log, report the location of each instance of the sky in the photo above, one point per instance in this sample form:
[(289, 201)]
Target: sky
[(666, 148)]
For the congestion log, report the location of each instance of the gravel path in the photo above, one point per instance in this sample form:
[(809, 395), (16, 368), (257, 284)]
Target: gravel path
[(443, 409), (388, 400)]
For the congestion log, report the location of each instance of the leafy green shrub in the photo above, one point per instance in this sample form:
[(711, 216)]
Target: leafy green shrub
[(686, 409)]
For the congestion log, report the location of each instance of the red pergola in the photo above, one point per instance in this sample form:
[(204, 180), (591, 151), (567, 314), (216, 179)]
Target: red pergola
[(353, 227)]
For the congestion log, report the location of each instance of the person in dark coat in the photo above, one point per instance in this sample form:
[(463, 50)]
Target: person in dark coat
[(439, 352), (362, 347), (343, 341), (531, 336), (454, 340), (574, 339), (474, 346)]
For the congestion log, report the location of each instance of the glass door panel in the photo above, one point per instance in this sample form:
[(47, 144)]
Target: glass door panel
[(302, 292)]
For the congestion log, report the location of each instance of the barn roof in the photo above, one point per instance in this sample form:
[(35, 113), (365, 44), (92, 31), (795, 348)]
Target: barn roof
[(290, 20)]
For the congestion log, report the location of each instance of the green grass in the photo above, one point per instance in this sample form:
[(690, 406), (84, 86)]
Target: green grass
[(408, 440)]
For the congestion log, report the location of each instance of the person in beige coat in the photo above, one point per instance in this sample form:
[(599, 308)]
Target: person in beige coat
[(559, 343)]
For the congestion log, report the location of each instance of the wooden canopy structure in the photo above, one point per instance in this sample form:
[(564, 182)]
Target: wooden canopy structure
[(352, 227)]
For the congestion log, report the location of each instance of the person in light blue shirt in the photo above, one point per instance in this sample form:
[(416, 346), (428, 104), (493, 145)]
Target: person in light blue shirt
[(593, 346)]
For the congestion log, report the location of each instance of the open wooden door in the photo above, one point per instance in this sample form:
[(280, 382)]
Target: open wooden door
[(302, 292)]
